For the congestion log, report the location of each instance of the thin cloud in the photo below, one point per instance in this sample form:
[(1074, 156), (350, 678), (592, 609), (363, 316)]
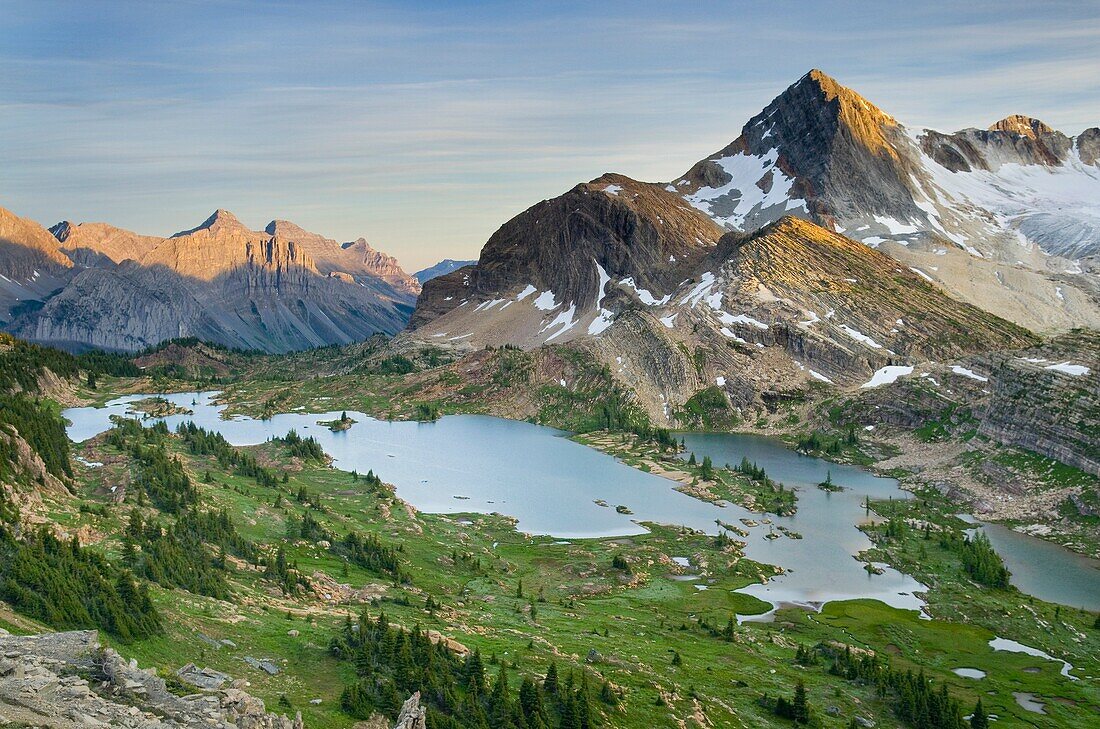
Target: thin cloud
[(425, 126)]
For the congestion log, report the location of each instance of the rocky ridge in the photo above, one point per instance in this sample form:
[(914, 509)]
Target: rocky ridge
[(88, 244), (757, 316), (31, 265), (355, 258), (558, 256)]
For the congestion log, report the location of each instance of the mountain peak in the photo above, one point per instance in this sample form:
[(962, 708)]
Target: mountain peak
[(812, 116), (820, 79), (1023, 125), (854, 108), (221, 220), (359, 244), (287, 229)]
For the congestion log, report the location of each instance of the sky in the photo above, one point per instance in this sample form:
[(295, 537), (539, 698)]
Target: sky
[(423, 126)]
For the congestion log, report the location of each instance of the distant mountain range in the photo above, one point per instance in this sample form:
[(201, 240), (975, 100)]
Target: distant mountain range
[(284, 288), (443, 267)]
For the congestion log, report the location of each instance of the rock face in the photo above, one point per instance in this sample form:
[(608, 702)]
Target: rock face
[(811, 280), (42, 683), (823, 151), (1044, 398), (819, 150), (221, 282), (790, 306), (1048, 401), (31, 265), (382, 265), (559, 255), (356, 258), (26, 247), (447, 265), (672, 305)]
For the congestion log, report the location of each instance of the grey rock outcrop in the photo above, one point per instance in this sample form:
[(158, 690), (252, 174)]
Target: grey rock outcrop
[(42, 683), (204, 678), (412, 715)]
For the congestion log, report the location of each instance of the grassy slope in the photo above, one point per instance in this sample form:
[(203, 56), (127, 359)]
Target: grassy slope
[(645, 615), (632, 621)]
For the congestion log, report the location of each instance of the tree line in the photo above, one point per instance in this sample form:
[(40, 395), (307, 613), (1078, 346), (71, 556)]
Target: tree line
[(916, 699), (392, 663), (43, 430), (23, 364), (67, 586)]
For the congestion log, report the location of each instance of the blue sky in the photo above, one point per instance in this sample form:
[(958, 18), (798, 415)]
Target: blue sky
[(425, 125)]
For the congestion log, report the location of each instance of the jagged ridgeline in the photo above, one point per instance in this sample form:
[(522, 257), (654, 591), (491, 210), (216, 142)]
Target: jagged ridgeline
[(999, 217), (279, 289)]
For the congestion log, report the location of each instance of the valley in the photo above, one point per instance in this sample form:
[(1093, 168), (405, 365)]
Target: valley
[(524, 601), (804, 437)]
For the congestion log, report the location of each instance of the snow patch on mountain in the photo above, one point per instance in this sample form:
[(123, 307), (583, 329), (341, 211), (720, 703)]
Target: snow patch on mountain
[(887, 375), (701, 290), (546, 301), (565, 321), (922, 274), (1068, 368), (968, 373), (726, 318), (859, 336), (755, 184), (646, 297), (604, 318)]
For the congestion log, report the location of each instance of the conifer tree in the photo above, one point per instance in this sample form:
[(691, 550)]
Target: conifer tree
[(530, 701), (499, 707), (800, 708), (550, 682), (979, 720)]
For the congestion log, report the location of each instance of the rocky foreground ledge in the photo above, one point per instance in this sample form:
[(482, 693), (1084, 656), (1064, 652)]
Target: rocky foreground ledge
[(68, 680)]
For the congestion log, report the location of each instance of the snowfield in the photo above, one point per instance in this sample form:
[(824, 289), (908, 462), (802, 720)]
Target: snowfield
[(748, 177), (888, 375), (968, 373), (646, 298), (860, 337), (1069, 369), (546, 301)]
